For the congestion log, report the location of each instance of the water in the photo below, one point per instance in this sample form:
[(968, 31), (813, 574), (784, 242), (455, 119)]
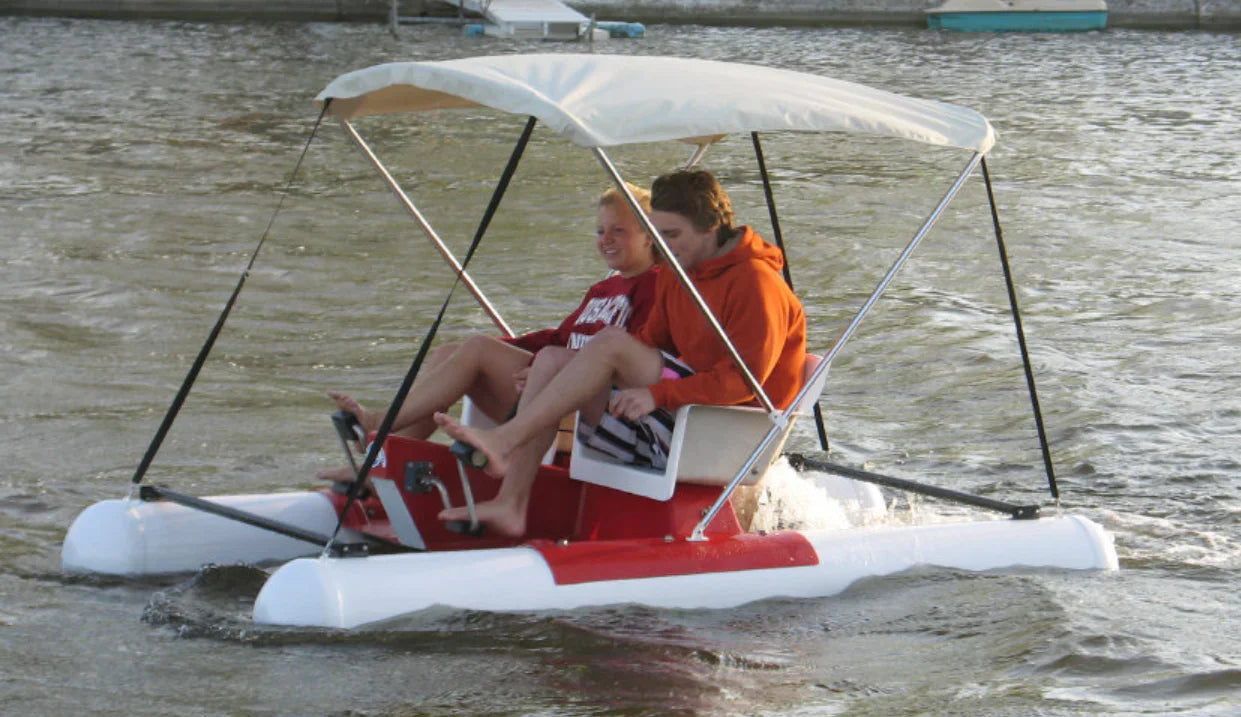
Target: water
[(142, 160)]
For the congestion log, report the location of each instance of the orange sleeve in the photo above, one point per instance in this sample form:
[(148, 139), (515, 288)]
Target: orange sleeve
[(654, 331), (756, 316)]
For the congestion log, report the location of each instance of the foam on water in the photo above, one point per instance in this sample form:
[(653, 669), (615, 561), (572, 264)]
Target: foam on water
[(797, 501)]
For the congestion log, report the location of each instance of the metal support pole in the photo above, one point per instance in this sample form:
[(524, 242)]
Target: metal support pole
[(406, 202), (896, 266), (673, 264), (781, 419), (696, 156), (778, 235)]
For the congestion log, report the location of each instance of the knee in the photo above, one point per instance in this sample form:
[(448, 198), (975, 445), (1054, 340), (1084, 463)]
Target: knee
[(551, 357), (609, 339), (548, 362), (475, 342), (608, 347), (441, 353), (475, 347)]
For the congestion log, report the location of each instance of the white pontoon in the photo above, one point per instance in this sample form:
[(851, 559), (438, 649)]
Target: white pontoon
[(598, 532)]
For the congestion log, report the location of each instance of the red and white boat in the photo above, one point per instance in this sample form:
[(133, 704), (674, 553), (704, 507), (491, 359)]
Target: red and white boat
[(598, 532)]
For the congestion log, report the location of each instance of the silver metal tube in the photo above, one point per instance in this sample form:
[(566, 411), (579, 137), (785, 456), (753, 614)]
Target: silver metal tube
[(406, 202), (467, 494), (696, 156), (896, 266), (619, 181), (775, 430), (780, 420)]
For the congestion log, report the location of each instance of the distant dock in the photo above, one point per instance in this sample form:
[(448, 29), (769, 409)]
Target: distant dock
[(1223, 15), (530, 19)]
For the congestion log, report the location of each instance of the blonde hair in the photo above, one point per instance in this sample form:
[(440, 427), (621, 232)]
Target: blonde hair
[(612, 197)]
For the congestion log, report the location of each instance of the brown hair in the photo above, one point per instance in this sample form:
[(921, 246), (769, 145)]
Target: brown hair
[(697, 196)]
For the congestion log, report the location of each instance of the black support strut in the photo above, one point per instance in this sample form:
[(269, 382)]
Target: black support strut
[(155, 492), (1021, 337), (1018, 512), (788, 275)]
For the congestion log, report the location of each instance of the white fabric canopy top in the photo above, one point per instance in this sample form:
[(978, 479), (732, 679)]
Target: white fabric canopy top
[(608, 100)]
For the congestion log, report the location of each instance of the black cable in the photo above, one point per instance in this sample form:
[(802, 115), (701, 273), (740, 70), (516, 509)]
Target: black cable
[(192, 376), (788, 275), (1021, 337), (386, 426), (771, 206)]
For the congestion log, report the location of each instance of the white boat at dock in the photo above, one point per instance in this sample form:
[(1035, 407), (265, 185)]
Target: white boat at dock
[(1019, 15)]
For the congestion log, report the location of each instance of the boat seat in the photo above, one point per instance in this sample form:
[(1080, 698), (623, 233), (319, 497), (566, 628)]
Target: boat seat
[(709, 444)]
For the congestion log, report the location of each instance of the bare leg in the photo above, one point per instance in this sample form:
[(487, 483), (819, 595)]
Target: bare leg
[(370, 420), (506, 513), (611, 358), (481, 367)]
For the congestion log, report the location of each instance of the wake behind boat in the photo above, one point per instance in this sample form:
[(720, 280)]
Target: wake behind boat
[(598, 532)]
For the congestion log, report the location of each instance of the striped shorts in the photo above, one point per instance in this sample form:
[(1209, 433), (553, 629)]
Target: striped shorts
[(643, 442)]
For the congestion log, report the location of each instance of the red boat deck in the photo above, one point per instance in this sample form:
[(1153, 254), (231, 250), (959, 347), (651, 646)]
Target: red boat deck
[(585, 532)]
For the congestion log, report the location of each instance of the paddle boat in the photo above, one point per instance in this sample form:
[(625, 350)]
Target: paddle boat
[(1018, 15), (598, 532)]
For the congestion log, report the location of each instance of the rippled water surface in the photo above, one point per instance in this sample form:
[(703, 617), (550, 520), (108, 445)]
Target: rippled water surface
[(141, 161)]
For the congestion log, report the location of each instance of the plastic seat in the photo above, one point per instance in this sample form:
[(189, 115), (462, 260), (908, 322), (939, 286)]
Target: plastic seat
[(709, 445), (472, 416)]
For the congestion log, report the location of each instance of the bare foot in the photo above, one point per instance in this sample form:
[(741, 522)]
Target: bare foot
[(497, 460), (500, 518), (345, 402), (342, 475), (339, 474)]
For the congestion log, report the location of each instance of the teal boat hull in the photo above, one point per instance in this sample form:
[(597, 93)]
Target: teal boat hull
[(1018, 21)]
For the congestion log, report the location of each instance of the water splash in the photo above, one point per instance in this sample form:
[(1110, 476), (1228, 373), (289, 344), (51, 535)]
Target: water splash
[(798, 501)]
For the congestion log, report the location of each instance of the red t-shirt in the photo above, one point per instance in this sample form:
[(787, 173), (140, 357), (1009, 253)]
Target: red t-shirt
[(615, 301)]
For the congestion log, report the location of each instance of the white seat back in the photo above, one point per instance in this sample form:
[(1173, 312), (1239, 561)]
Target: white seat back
[(806, 406), (472, 416), (709, 445)]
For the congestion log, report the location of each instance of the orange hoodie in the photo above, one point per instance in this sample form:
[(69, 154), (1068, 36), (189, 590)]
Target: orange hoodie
[(758, 311)]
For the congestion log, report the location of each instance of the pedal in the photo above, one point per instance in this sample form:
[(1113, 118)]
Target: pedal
[(468, 454), (463, 527), (341, 487), (348, 427)]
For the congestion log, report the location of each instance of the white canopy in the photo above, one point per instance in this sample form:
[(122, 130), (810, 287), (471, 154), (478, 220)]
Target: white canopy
[(607, 100)]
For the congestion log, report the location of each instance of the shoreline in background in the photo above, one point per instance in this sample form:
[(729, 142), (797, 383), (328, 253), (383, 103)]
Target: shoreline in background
[(1134, 14)]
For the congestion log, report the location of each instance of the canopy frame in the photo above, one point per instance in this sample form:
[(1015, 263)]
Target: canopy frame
[(416, 214), (779, 418)]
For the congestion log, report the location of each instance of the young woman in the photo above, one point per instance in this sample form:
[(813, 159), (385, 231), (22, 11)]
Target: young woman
[(492, 371), (638, 378)]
